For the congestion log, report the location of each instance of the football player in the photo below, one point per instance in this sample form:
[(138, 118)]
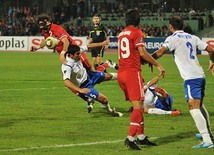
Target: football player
[(50, 29), (157, 100), (78, 79)]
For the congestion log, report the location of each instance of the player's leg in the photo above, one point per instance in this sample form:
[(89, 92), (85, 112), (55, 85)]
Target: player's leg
[(112, 64), (162, 106), (131, 88), (162, 112), (104, 102), (100, 55), (89, 101), (94, 54), (106, 64), (201, 124), (207, 118), (98, 77), (86, 63), (194, 95), (110, 76)]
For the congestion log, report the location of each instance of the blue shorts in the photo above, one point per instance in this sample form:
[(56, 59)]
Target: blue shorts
[(93, 78), (194, 88), (96, 77)]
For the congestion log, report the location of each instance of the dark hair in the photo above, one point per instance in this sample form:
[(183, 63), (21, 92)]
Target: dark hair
[(132, 17), (72, 49), (43, 17), (97, 15), (176, 22)]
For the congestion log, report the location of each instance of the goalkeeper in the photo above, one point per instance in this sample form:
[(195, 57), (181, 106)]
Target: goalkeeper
[(157, 100)]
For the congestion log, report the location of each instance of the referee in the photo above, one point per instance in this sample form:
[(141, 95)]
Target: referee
[(97, 34)]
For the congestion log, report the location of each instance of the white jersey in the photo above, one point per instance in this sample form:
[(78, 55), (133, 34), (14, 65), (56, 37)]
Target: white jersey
[(149, 96), (184, 48), (74, 71)]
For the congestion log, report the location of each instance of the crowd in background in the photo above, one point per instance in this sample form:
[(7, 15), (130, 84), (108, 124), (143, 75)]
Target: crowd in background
[(21, 21)]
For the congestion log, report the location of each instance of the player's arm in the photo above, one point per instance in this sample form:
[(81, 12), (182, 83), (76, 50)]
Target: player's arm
[(90, 40), (41, 45), (160, 52), (148, 58), (64, 49), (210, 50), (153, 81), (107, 37), (72, 87), (93, 45)]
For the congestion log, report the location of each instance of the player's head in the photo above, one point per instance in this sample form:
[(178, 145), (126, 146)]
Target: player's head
[(44, 22), (132, 17), (96, 19), (176, 22), (74, 52)]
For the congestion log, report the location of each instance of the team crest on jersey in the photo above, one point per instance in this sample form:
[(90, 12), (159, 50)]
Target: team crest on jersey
[(97, 33), (141, 40), (65, 71)]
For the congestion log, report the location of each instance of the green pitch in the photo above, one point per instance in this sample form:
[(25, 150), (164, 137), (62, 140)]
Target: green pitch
[(39, 116)]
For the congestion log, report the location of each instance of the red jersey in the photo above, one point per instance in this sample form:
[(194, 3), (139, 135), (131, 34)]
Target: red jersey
[(129, 74), (128, 42), (60, 33)]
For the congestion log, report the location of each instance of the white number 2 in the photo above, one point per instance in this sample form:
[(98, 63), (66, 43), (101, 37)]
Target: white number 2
[(124, 46)]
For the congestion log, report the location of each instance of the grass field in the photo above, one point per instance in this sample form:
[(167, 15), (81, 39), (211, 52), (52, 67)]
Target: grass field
[(39, 116)]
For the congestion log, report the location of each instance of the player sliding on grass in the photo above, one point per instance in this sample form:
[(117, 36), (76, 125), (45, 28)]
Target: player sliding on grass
[(184, 49), (50, 29), (157, 100), (77, 78)]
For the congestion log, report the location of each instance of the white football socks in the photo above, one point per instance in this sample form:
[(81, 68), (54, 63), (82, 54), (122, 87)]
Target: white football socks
[(106, 107), (114, 76), (158, 111), (201, 124)]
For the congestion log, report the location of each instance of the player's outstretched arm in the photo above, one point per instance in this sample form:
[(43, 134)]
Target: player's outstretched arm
[(35, 48), (93, 45), (148, 58), (64, 50)]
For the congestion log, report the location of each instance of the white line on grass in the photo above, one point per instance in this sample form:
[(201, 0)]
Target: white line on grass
[(21, 89), (58, 146), (62, 145)]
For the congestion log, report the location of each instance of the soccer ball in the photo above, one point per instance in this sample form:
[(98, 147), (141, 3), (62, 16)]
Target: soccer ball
[(51, 42)]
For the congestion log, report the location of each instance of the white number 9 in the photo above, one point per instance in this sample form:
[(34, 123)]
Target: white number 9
[(124, 46)]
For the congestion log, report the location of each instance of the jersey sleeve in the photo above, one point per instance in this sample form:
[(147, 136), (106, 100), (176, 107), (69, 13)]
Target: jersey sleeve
[(200, 44), (59, 32), (66, 71), (139, 39), (168, 43)]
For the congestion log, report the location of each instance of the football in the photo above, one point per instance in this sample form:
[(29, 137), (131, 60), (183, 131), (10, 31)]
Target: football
[(51, 42)]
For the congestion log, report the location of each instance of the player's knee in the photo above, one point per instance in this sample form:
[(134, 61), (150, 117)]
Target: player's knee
[(104, 100)]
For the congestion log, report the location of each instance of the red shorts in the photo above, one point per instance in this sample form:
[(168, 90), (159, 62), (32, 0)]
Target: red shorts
[(132, 85)]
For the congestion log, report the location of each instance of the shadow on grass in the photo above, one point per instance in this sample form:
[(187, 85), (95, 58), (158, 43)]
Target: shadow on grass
[(173, 138)]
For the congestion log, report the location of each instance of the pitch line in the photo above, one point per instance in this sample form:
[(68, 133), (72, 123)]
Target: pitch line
[(21, 89), (58, 146), (62, 145)]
